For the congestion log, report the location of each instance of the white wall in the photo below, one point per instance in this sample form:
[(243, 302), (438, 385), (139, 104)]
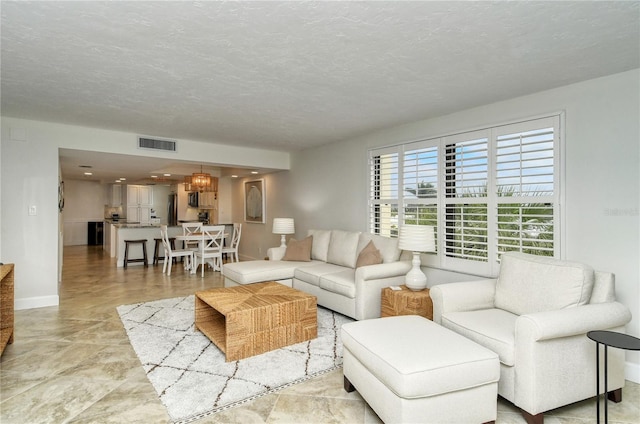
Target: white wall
[(84, 202), (328, 185), (29, 177), (257, 238)]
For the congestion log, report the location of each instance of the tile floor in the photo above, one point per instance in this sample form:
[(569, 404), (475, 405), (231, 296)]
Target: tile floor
[(74, 364)]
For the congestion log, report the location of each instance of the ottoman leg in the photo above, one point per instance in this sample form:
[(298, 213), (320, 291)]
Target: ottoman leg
[(348, 387)]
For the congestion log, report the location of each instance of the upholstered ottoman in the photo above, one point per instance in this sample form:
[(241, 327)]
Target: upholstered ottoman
[(411, 370)]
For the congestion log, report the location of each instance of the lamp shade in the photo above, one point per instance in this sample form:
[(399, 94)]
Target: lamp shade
[(283, 226), (417, 238)]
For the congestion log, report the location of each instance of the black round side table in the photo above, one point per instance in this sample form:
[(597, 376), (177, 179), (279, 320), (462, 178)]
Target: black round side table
[(613, 339)]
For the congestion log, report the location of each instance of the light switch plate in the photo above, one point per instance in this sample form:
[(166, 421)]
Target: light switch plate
[(32, 210)]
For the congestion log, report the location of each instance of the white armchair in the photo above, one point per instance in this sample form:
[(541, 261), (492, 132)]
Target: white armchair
[(535, 316)]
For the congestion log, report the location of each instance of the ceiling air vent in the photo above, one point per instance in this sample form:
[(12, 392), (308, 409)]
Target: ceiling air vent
[(156, 144)]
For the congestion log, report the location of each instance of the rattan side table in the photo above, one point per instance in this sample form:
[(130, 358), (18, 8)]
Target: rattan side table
[(406, 302)]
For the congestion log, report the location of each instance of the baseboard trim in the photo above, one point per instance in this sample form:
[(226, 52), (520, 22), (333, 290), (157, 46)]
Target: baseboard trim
[(632, 372), (36, 302)]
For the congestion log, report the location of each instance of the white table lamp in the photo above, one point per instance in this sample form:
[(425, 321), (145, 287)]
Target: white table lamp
[(283, 226), (417, 238)]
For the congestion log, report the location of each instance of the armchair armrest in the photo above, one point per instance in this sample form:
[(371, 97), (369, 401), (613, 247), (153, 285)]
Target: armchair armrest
[(463, 296), (573, 321)]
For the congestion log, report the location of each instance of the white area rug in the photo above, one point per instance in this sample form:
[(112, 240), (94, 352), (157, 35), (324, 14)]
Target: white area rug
[(190, 374)]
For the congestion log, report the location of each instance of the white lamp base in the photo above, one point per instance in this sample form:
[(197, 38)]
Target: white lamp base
[(415, 279), (283, 241)]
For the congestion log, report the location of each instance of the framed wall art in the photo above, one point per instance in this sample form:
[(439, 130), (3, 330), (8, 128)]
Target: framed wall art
[(254, 202)]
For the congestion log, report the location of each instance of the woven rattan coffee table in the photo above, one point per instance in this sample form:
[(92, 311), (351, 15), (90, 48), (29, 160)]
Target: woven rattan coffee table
[(252, 319)]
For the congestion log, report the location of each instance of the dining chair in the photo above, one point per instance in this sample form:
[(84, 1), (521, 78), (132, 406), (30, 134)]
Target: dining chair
[(210, 247), (170, 253), (189, 228), (232, 250)]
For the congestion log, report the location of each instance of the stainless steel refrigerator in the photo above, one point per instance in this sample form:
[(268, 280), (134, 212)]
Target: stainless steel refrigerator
[(172, 209)]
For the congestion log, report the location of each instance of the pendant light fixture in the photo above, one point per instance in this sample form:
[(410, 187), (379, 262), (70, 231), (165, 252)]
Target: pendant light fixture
[(201, 182)]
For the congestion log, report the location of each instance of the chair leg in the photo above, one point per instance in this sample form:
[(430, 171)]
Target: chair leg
[(170, 263), (164, 264)]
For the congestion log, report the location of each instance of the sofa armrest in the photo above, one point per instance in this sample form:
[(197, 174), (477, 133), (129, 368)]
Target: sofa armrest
[(276, 253), (462, 296), (370, 280), (573, 321), (390, 269)]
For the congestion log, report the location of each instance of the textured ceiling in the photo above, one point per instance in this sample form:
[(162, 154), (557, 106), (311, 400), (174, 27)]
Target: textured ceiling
[(290, 75)]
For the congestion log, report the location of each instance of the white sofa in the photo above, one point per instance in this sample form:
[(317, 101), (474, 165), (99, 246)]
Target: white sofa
[(535, 316), (331, 274)]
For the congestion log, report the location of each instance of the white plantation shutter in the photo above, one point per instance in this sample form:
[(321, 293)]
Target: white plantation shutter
[(526, 194), (486, 192), (420, 183), (466, 175), (383, 209)]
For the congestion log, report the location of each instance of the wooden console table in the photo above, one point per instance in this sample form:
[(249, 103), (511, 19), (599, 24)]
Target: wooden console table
[(6, 306)]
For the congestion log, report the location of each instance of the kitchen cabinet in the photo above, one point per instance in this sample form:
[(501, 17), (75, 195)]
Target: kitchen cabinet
[(141, 214), (208, 200), (116, 195), (139, 195), (139, 203)]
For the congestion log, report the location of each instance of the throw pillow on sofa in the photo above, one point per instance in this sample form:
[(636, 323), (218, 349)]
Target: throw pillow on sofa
[(298, 250), (387, 246), (369, 256)]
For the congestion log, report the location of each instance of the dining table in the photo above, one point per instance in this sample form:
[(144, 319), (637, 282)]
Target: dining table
[(197, 236)]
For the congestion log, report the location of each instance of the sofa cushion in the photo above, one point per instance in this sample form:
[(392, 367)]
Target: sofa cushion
[(298, 250), (369, 256), (343, 248), (248, 272), (320, 246), (342, 283), (312, 274), (491, 328), (529, 283), (387, 246)]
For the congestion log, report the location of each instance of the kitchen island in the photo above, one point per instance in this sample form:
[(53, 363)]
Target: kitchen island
[(119, 232), (116, 232)]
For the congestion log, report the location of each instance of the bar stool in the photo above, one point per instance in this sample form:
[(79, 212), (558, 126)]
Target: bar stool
[(144, 251), (156, 249)]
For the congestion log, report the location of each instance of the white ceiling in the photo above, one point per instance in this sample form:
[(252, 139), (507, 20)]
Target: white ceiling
[(292, 75)]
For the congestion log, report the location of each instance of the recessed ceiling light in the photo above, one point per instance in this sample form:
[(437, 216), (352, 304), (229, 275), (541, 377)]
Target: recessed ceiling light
[(167, 175), (254, 172), (123, 179), (154, 176), (118, 181), (234, 176), (88, 173)]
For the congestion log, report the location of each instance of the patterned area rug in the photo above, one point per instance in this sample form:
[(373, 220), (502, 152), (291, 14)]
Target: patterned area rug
[(190, 374)]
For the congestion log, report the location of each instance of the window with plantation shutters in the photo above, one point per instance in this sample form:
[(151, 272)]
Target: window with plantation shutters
[(486, 192)]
